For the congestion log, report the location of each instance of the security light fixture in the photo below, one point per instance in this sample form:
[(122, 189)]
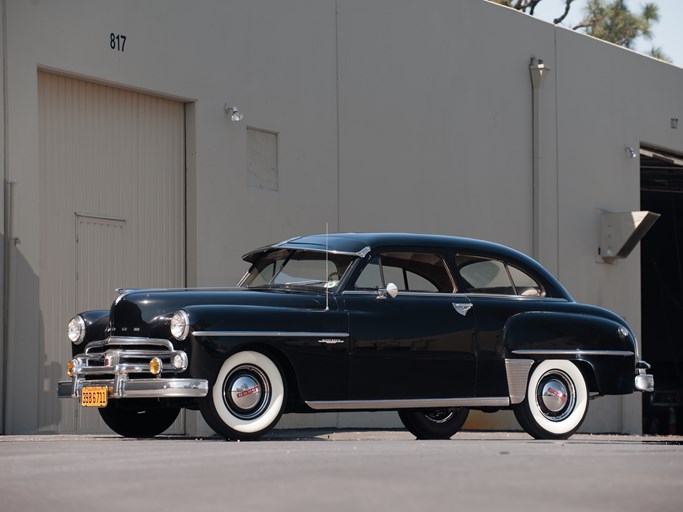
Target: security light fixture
[(235, 115), (630, 152)]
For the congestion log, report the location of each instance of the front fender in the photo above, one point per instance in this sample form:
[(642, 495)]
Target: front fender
[(309, 343), (259, 322), (96, 323)]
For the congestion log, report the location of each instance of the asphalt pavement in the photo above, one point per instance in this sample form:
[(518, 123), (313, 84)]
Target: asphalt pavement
[(341, 470)]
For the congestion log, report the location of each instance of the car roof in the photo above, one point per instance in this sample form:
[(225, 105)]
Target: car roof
[(360, 244)]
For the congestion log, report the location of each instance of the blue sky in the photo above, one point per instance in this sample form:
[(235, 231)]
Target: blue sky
[(667, 33)]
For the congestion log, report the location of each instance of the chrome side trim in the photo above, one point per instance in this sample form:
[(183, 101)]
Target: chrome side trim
[(621, 353), (404, 293), (544, 298), (422, 403), (270, 334), (517, 371)]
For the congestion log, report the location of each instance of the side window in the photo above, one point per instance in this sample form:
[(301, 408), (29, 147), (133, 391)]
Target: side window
[(370, 278), (485, 275), (524, 284), (410, 272)]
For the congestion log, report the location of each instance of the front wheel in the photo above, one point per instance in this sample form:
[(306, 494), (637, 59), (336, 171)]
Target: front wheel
[(247, 398), (434, 423), (130, 420), (556, 401)]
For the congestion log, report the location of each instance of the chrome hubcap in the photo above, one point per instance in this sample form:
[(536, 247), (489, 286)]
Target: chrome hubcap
[(246, 391), (555, 395), (440, 415)]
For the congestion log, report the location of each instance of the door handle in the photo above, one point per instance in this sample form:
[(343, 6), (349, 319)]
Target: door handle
[(462, 308)]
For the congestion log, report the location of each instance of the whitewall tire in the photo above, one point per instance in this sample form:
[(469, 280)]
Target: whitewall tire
[(556, 400), (247, 398)]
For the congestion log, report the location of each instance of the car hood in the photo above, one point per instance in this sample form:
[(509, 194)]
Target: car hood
[(148, 312)]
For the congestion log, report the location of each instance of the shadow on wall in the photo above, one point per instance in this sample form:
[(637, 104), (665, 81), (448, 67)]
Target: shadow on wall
[(29, 379)]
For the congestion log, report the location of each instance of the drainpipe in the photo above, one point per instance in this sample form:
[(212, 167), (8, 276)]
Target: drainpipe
[(538, 72), (7, 186), (9, 242)]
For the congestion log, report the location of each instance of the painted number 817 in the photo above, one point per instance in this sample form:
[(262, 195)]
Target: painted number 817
[(117, 42)]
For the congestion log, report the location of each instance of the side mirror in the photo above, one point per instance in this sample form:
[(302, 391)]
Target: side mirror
[(391, 291)]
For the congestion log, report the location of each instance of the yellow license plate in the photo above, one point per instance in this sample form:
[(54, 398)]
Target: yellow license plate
[(94, 396)]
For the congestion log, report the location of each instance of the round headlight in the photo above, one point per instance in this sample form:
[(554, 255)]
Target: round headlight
[(180, 325), (76, 330)]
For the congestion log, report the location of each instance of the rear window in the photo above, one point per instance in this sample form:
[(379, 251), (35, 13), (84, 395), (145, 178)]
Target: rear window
[(495, 277)]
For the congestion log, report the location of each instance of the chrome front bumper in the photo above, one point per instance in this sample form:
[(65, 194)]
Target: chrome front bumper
[(644, 381), (123, 365), (122, 387)]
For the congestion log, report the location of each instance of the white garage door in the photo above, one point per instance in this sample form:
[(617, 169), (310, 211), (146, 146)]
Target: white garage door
[(112, 170)]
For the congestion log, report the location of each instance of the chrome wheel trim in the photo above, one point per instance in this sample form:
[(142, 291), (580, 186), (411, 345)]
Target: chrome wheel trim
[(440, 415), (555, 395), (575, 416), (246, 391), (274, 405)]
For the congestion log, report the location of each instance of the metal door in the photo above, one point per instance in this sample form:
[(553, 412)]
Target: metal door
[(113, 160)]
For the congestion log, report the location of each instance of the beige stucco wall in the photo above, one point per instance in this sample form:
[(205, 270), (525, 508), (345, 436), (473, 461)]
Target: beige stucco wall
[(390, 114)]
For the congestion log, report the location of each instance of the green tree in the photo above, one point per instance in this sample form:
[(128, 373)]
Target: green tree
[(609, 20), (529, 6)]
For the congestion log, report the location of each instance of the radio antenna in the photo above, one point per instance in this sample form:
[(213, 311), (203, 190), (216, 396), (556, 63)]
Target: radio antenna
[(327, 272)]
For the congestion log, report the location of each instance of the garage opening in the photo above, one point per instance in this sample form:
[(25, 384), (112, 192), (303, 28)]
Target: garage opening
[(662, 290)]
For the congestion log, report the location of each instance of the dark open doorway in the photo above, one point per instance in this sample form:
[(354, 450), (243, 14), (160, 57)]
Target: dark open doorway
[(662, 290)]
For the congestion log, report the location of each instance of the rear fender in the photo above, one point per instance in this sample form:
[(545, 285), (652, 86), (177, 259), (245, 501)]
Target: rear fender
[(603, 349), (565, 332)]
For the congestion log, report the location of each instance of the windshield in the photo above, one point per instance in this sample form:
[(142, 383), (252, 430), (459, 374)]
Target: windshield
[(287, 267)]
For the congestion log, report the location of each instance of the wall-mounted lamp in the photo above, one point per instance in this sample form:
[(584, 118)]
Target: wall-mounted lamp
[(235, 115), (630, 152)]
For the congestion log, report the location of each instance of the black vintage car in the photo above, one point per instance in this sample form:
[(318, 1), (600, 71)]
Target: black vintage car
[(429, 326)]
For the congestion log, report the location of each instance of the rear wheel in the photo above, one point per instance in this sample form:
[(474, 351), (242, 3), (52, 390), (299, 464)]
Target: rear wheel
[(129, 420), (556, 401), (434, 423), (247, 398)]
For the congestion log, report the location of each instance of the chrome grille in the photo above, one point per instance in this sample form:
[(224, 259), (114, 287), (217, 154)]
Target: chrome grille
[(128, 355)]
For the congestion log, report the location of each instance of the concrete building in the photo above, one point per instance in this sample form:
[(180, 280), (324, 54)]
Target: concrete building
[(122, 167)]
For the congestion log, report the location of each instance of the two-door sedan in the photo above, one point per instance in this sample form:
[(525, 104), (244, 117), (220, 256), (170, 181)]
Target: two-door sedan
[(430, 326)]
